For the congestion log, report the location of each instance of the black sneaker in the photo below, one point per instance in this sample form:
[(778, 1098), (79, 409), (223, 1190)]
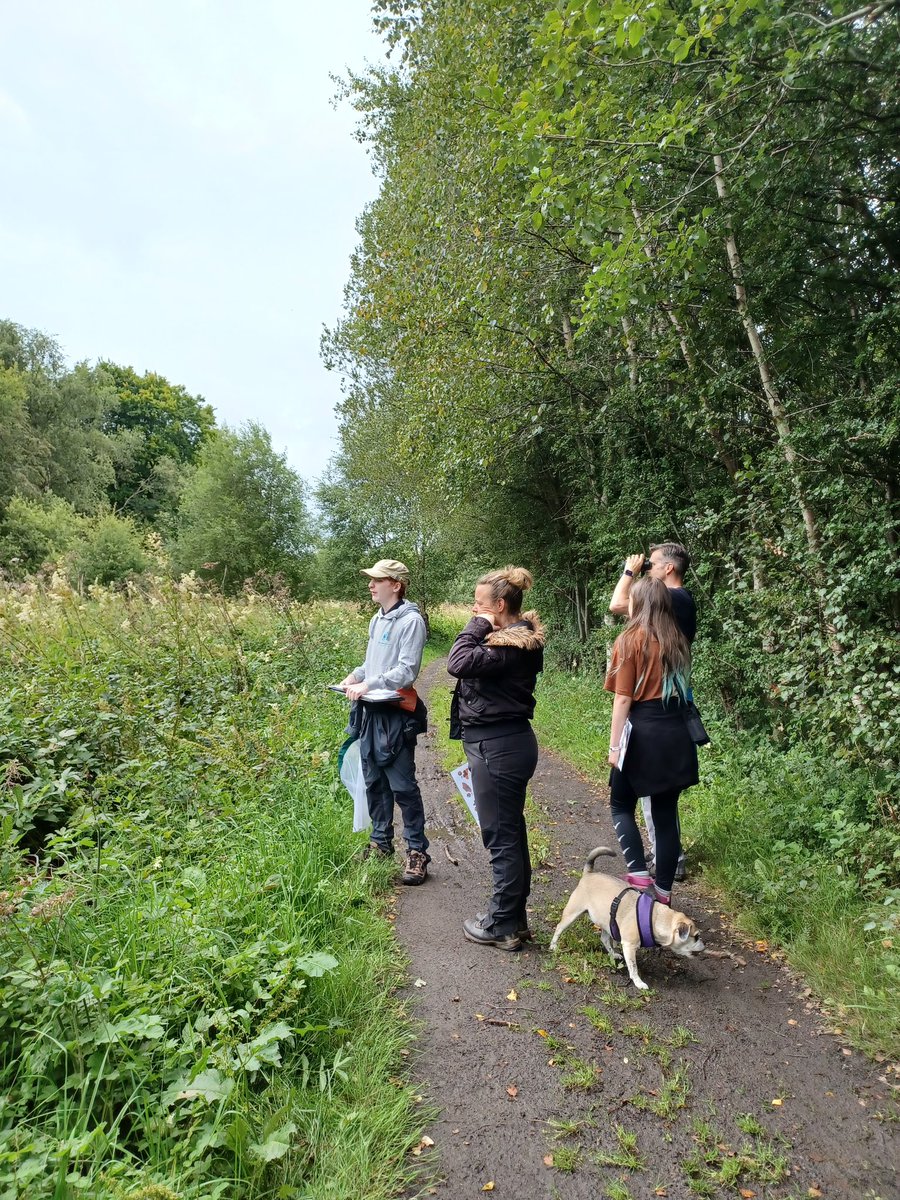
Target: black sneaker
[(416, 869), (476, 932), (681, 869), (524, 934)]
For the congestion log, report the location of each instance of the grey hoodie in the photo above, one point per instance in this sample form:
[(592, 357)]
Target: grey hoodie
[(394, 653)]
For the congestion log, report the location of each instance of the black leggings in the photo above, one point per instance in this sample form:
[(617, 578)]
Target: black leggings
[(664, 806)]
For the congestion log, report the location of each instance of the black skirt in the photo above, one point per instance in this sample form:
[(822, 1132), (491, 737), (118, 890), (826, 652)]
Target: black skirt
[(660, 754)]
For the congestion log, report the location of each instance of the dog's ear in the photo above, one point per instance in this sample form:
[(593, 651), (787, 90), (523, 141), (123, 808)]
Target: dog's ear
[(682, 931)]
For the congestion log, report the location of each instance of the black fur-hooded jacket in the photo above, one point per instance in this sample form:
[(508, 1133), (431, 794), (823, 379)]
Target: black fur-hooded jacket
[(497, 671)]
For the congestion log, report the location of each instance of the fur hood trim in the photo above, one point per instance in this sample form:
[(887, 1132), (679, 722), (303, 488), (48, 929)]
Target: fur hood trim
[(528, 636)]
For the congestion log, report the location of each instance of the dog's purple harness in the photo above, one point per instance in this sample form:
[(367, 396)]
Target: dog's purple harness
[(644, 910)]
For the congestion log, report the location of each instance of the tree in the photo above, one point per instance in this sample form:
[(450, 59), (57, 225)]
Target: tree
[(243, 512), (631, 276), (164, 428), (60, 413)]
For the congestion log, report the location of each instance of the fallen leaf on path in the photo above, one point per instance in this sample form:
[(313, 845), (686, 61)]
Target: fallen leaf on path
[(762, 945), (479, 1016), (845, 1050), (815, 1191), (512, 1090), (420, 983), (792, 1022), (777, 1102), (513, 995), (427, 1141), (747, 1193), (660, 1191), (488, 1187), (542, 1033), (548, 1160)]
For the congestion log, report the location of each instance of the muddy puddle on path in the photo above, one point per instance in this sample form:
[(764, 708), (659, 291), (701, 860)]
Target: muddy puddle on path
[(554, 1077)]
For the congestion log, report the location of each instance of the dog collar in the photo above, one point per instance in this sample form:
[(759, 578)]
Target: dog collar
[(644, 910)]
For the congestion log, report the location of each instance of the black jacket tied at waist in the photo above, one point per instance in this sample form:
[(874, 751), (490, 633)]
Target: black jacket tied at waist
[(383, 728), (497, 672)]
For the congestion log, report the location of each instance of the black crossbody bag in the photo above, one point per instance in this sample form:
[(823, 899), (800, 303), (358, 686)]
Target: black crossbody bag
[(695, 727)]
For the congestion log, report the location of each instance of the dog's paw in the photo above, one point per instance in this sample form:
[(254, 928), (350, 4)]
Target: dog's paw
[(639, 983)]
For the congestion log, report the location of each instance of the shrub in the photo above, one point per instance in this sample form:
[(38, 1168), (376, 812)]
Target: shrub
[(36, 532), (112, 551)]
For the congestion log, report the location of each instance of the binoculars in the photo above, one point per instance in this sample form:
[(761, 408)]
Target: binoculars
[(645, 567)]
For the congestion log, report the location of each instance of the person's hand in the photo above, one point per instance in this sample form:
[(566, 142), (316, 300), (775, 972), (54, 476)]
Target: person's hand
[(633, 563), (613, 758), (357, 690), (348, 681), (487, 614)]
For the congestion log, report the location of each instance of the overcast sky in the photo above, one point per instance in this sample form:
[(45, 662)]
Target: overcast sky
[(180, 194)]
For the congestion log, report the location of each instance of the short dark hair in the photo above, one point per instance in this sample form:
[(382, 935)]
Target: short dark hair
[(676, 554)]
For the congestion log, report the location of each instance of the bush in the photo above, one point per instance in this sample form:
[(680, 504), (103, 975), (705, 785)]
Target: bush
[(37, 532), (111, 552)]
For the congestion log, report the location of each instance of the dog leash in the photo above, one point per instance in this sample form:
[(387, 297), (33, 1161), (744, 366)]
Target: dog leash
[(644, 910)]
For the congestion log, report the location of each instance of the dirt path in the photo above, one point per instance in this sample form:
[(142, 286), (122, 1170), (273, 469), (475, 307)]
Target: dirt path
[(721, 1081)]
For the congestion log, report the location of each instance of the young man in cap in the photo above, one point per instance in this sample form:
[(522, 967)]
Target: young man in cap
[(387, 750)]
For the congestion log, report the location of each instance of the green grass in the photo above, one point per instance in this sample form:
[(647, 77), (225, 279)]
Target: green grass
[(197, 1000), (567, 1159), (799, 842), (626, 1154), (715, 1164), (669, 1098)]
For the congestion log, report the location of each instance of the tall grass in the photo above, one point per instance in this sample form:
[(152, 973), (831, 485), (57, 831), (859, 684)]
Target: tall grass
[(196, 989), (801, 845)]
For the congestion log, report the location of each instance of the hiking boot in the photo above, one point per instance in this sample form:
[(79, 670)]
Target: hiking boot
[(524, 934), (373, 850), (475, 931), (681, 869), (416, 868)]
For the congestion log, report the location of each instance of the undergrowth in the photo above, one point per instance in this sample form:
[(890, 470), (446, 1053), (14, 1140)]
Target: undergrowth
[(196, 974)]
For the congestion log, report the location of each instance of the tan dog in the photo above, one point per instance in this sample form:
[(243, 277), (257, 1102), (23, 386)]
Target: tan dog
[(595, 894)]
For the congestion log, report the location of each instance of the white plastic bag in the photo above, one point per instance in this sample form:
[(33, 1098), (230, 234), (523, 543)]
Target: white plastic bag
[(352, 779)]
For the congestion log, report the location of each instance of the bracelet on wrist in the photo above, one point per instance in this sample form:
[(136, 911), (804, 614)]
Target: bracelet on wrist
[(615, 748), (630, 574)]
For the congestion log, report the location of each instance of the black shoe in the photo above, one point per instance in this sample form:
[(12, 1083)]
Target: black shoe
[(476, 932), (681, 869), (416, 868), (373, 850), (524, 934)]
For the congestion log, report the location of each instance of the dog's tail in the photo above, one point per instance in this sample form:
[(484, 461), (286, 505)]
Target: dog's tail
[(595, 854)]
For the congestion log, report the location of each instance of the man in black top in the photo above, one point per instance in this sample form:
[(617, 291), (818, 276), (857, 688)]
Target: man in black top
[(669, 562)]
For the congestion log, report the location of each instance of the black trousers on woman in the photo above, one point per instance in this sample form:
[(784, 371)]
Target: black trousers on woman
[(501, 768)]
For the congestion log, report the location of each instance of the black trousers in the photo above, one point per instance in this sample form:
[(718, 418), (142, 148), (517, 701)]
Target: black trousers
[(664, 807), (501, 768)]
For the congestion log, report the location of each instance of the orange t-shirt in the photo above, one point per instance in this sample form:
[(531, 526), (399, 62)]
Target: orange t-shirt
[(630, 675)]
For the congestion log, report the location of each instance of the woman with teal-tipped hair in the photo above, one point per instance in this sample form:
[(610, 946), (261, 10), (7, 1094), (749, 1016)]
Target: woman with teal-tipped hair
[(650, 676)]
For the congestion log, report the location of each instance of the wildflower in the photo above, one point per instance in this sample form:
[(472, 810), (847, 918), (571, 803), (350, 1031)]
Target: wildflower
[(54, 905)]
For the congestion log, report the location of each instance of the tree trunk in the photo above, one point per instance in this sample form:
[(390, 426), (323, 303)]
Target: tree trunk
[(776, 408)]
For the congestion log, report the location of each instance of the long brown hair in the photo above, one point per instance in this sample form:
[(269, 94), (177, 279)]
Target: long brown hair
[(653, 619)]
